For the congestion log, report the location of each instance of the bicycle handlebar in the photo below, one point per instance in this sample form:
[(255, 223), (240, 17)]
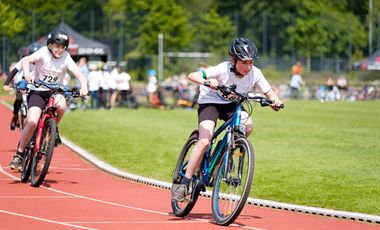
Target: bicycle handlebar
[(227, 90), (56, 88)]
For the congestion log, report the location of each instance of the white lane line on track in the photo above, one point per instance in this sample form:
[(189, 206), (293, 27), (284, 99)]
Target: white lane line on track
[(125, 206), (156, 222), (45, 220), (75, 169)]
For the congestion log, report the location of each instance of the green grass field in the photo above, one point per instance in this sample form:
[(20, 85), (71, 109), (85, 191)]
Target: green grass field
[(311, 153)]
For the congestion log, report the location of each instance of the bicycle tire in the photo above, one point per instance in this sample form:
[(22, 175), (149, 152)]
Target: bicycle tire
[(42, 158), (22, 116), (181, 209), (26, 163), (230, 195)]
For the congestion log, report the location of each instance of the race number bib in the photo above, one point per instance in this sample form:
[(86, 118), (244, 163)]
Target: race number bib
[(50, 79)]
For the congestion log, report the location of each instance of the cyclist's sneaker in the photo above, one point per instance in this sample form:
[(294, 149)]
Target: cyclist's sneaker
[(16, 163), (58, 141), (14, 122), (179, 192)]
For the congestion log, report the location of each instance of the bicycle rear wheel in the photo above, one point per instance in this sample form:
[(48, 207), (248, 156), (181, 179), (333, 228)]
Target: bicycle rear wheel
[(183, 208), (230, 193), (41, 159)]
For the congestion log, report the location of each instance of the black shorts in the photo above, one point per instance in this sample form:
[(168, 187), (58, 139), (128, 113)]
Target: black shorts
[(38, 98), (214, 111)]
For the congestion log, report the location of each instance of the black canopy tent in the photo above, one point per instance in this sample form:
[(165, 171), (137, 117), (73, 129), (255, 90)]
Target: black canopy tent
[(81, 46)]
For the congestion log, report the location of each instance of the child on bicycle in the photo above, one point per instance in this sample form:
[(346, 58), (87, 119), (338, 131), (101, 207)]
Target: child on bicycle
[(239, 71), (51, 64), (19, 83)]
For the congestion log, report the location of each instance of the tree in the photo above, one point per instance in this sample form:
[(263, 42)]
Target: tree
[(10, 23), (215, 33), (308, 34), (167, 18)]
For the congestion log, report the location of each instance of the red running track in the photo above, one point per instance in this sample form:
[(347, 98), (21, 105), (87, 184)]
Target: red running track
[(76, 195)]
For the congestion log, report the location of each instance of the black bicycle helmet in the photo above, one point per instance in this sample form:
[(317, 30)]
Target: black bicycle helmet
[(33, 48), (58, 37), (243, 49)]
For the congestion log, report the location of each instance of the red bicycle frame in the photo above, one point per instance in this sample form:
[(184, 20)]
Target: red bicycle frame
[(48, 113)]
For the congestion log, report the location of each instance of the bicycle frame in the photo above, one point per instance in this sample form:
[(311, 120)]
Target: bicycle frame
[(48, 113), (212, 157)]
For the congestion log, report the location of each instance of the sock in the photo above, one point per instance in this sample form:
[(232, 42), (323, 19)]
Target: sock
[(186, 181)]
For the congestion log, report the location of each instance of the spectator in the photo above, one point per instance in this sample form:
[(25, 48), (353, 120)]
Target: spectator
[(296, 84), (93, 86), (83, 67), (104, 89), (151, 87), (123, 85), (296, 81)]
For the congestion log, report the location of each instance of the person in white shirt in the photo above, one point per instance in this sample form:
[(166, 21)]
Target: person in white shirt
[(151, 87), (212, 105), (93, 79), (123, 85), (51, 64), (19, 83), (104, 90)]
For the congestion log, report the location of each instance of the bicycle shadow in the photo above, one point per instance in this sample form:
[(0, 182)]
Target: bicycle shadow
[(49, 183), (8, 150), (208, 217)]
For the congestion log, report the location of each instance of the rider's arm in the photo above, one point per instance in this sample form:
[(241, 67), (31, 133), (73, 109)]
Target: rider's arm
[(82, 80), (26, 61), (273, 97), (11, 76), (200, 78)]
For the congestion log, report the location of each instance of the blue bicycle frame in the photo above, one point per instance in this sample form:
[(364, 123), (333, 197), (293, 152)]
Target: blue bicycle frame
[(210, 160)]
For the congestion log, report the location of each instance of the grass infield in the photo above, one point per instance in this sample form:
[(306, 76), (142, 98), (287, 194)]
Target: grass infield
[(316, 154)]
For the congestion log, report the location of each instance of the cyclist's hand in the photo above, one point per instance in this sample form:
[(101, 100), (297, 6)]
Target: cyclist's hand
[(28, 78), (6, 88), (212, 83), (83, 91), (277, 104)]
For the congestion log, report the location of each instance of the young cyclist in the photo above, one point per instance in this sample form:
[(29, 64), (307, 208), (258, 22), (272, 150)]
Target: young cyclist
[(239, 71), (19, 83), (51, 65)]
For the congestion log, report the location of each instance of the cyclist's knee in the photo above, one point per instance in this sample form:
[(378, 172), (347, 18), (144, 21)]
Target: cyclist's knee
[(249, 129), (203, 143)]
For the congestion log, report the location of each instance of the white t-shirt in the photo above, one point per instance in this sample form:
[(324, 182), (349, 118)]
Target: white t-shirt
[(49, 69), (122, 81), (253, 81), (151, 87), (93, 80)]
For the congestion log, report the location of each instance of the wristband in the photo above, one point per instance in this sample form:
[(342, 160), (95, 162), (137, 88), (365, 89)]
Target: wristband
[(204, 74)]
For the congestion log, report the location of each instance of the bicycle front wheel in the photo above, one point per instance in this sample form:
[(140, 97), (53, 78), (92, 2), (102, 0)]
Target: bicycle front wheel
[(22, 116), (42, 158), (233, 182), (183, 208), (26, 163)]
